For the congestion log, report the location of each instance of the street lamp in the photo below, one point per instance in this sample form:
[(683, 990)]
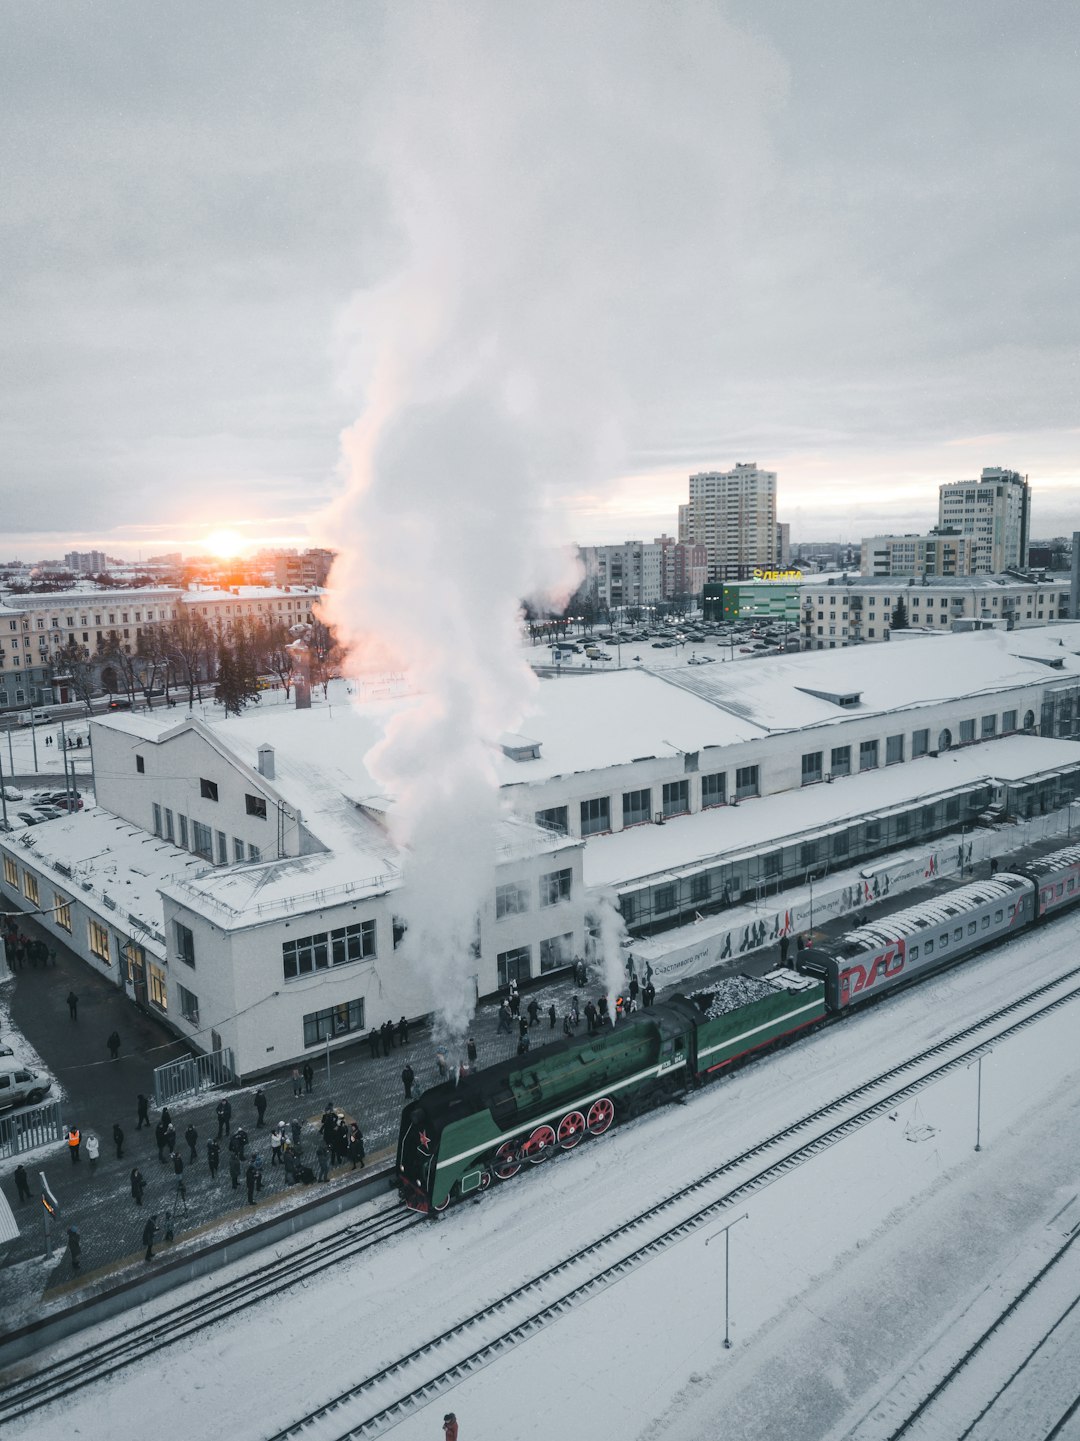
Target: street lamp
[(978, 1098), (726, 1231)]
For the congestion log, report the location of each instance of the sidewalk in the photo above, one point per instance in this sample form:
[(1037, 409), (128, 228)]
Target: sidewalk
[(100, 1092)]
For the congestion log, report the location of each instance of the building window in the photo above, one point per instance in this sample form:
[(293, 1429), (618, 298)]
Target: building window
[(840, 761), (555, 887), (595, 816), (807, 855), (62, 911), (868, 755), (308, 954), (340, 1020), (159, 993), (222, 848), (189, 1005), (11, 872), (1029, 720), (894, 750), (208, 789), (99, 942), (944, 740), (515, 965), (256, 806), (202, 841), (663, 899), (989, 726), (811, 767), (553, 819), (185, 943), (967, 732), (237, 849), (511, 900), (556, 952), (183, 831), (157, 818), (30, 887), (1008, 720), (676, 798), (746, 782), (169, 834), (714, 790), (920, 743), (840, 844), (636, 807), (140, 765), (254, 854)]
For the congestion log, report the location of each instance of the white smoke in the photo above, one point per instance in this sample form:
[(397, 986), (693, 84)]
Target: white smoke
[(554, 171)]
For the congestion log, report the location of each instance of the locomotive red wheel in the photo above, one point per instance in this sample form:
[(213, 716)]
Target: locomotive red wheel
[(507, 1161), (571, 1130), (485, 1180), (601, 1114), (440, 1208), (540, 1145)]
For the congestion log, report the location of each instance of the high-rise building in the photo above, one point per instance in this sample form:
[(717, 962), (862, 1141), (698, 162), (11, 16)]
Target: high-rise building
[(86, 562), (623, 575), (941, 552), (733, 514), (996, 511), (684, 567)]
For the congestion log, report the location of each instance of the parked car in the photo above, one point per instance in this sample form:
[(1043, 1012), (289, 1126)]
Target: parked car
[(19, 1086), (47, 813), (30, 818), (11, 794)]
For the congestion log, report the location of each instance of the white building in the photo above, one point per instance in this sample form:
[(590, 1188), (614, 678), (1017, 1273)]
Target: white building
[(733, 514), (995, 511), (630, 574), (939, 553)]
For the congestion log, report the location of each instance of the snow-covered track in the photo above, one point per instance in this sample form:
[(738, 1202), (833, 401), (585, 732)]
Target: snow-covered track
[(269, 1278), (390, 1393)]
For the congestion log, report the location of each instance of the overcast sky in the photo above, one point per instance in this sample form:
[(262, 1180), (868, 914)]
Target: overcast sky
[(839, 239)]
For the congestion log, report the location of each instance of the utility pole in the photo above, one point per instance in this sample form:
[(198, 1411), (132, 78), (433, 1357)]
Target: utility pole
[(726, 1231), (978, 1098)]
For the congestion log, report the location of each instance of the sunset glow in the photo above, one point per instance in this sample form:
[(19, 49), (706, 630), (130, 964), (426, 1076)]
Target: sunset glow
[(225, 544)]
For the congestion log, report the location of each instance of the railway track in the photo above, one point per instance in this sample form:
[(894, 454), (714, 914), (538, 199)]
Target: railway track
[(405, 1385), (102, 1359)]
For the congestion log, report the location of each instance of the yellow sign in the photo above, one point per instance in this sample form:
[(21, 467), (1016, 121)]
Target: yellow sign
[(778, 575)]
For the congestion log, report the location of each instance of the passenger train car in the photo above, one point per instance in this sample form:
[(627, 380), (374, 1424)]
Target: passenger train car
[(457, 1138)]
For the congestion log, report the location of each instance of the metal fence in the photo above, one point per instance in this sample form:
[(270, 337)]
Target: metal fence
[(33, 1126), (192, 1075)]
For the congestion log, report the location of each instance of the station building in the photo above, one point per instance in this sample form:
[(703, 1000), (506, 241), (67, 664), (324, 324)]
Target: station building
[(240, 878)]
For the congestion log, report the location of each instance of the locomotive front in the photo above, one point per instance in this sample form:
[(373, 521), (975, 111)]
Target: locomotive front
[(417, 1154)]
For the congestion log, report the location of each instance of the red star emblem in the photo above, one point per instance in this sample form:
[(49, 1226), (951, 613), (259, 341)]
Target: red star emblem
[(425, 1140)]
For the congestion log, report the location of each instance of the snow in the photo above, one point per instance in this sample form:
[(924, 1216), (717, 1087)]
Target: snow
[(848, 1269)]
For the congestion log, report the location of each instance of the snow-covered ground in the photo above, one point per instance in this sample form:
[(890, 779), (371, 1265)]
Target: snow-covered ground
[(844, 1273)]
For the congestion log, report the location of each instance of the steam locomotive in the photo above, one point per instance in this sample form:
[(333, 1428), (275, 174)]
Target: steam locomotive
[(457, 1138)]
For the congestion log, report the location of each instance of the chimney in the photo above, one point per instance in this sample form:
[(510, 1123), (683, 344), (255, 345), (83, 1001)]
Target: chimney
[(266, 762)]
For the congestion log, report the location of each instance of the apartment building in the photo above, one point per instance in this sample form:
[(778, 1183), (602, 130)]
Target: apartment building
[(995, 511), (630, 574), (938, 553), (733, 514)]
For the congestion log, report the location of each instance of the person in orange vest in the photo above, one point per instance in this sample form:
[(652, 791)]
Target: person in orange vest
[(73, 1144)]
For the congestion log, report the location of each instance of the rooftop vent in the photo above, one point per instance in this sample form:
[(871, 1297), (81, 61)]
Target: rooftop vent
[(519, 748), (1055, 662), (847, 699), (266, 762)]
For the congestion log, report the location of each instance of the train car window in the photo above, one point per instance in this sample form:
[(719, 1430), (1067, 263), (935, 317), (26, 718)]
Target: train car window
[(998, 918), (958, 934), (943, 939), (1060, 891), (1072, 884), (986, 923), (928, 947), (972, 928), (913, 953)]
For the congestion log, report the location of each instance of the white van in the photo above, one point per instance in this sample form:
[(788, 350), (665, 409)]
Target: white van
[(19, 1086)]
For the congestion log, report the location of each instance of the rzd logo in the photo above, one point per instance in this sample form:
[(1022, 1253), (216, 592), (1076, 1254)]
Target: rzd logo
[(883, 968)]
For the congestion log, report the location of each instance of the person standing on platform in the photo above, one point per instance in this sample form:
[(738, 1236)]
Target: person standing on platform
[(144, 1111), (73, 1005), (22, 1183), (75, 1247), (408, 1076), (138, 1185), (73, 1144), (118, 1140), (149, 1232), (260, 1106)]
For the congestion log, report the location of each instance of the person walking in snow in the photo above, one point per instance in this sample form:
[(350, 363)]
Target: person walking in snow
[(138, 1185), (234, 1169), (75, 1247), (73, 1005), (408, 1076), (118, 1140), (213, 1156), (22, 1183), (260, 1106), (143, 1105), (149, 1232), (224, 1117), (191, 1136), (113, 1044), (93, 1149), (309, 1076)]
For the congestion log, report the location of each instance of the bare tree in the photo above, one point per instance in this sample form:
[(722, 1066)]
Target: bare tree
[(327, 656), (189, 644), (120, 659), (73, 664)]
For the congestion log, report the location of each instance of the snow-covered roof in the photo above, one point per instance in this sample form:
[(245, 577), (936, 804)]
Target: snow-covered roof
[(111, 866), (651, 850)]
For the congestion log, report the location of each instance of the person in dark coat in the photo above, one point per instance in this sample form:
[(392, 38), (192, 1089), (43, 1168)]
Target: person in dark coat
[(523, 1044), (118, 1140), (149, 1232), (260, 1106), (290, 1166), (224, 1117), (784, 945), (327, 1124), (234, 1169), (72, 1002), (634, 988), (159, 1137), (296, 1131), (75, 1248), (191, 1136), (166, 1119), (450, 1427), (178, 1163), (408, 1076), (649, 994), (138, 1185), (251, 1176), (322, 1158), (590, 1017), (523, 1027), (170, 1138), (373, 1043), (505, 1026), (113, 1044), (515, 1001), (213, 1156), (470, 1051), (387, 1037), (551, 1016), (241, 1138), (144, 1111), (309, 1077), (533, 1009), (22, 1183), (356, 1145)]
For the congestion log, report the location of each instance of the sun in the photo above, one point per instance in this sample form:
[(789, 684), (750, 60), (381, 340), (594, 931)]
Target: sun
[(224, 544)]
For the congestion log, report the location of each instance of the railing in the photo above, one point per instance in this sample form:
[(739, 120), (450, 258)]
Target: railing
[(29, 1128), (192, 1075)]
